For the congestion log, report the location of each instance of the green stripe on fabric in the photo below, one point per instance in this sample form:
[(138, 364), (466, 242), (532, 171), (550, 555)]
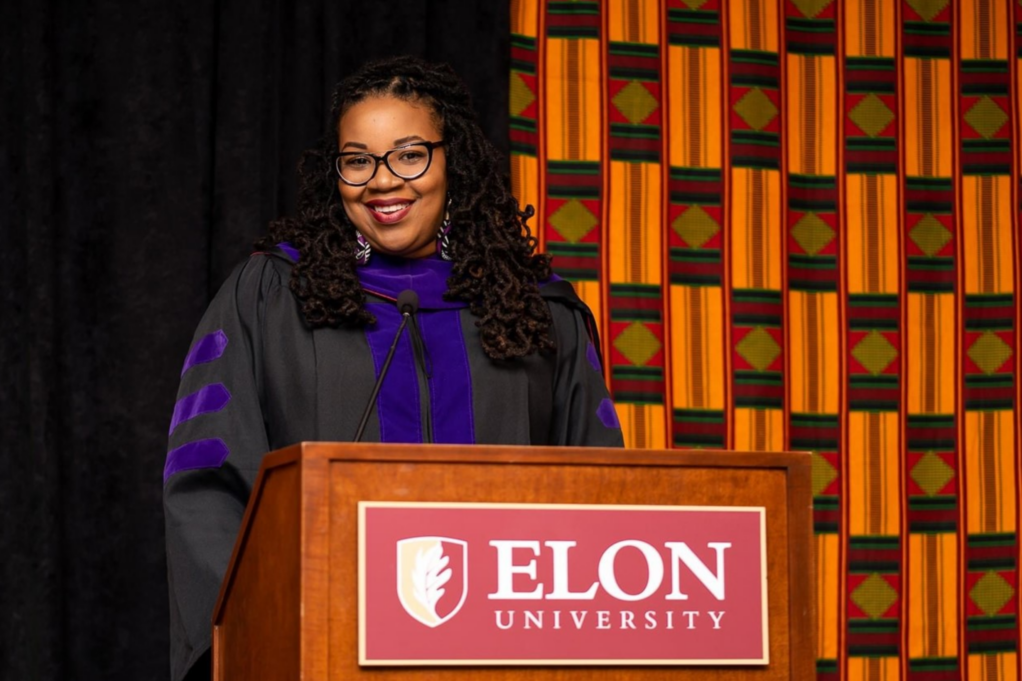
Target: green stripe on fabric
[(755, 57), (810, 25), (578, 7), (696, 174), (633, 49), (523, 41), (573, 167), (755, 295)]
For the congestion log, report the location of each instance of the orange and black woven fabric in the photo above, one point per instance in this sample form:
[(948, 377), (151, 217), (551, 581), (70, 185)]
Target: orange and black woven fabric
[(797, 224)]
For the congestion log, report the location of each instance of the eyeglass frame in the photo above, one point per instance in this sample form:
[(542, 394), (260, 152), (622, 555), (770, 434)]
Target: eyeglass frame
[(430, 146)]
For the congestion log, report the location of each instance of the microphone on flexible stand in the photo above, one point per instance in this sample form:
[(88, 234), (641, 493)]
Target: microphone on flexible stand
[(407, 304)]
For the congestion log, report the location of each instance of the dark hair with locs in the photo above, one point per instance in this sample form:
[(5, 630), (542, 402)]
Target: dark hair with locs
[(495, 267)]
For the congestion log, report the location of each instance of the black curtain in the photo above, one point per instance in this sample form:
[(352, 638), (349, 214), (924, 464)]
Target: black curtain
[(145, 144)]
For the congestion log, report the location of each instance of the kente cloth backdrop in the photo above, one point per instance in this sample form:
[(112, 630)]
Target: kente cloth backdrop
[(797, 224)]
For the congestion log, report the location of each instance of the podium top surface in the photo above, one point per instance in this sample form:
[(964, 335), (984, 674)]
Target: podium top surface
[(517, 455)]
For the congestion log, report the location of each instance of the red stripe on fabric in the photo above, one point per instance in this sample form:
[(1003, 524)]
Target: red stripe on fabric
[(541, 84), (782, 61), (665, 202), (962, 590), (604, 190), (635, 62), (727, 181), (903, 595), (843, 417), (1013, 72)]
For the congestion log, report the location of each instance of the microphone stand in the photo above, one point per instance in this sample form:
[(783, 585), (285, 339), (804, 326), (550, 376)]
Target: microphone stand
[(408, 304)]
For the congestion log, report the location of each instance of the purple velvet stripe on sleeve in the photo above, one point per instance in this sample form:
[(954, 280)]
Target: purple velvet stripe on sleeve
[(607, 414), (450, 390), (212, 398), (209, 453), (206, 349), (593, 358), (291, 251)]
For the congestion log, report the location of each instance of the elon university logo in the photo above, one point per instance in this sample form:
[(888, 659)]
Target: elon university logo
[(432, 577)]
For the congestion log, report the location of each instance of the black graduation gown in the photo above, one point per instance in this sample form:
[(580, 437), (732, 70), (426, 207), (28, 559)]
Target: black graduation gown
[(257, 378)]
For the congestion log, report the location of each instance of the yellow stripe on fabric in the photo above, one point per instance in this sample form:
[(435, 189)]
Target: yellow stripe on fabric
[(697, 315), (634, 21), (814, 352), (525, 184), (694, 95), (754, 25), (812, 115), (990, 471), (870, 28), (525, 17), (573, 82), (642, 425), (928, 118), (874, 488), (756, 246), (635, 223), (930, 353), (999, 667), (932, 595), (874, 668), (759, 430), (873, 233), (986, 230), (828, 595), (984, 29)]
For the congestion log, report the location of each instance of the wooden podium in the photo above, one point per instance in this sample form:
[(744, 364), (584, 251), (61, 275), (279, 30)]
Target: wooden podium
[(288, 608)]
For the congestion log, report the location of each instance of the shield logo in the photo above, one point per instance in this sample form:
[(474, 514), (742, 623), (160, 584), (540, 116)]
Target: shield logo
[(432, 577)]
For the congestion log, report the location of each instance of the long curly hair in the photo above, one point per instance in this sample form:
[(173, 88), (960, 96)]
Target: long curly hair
[(495, 266)]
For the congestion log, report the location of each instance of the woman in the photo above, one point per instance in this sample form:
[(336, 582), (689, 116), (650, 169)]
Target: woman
[(404, 193)]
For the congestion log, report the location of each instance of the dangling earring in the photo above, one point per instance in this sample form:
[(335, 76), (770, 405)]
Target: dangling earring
[(364, 250), (443, 236)]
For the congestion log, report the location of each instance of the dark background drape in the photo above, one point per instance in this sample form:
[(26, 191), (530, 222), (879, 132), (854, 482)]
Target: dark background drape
[(145, 144)]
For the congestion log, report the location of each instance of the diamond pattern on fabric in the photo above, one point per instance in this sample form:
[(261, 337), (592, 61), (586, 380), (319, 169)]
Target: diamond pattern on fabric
[(989, 352), (812, 233), (573, 221), (928, 9), (811, 8), (871, 115), (756, 109), (758, 348), (986, 117), (521, 95), (823, 474), (875, 596), (874, 352), (930, 235), (991, 593), (932, 473), (637, 343), (695, 226), (635, 102)]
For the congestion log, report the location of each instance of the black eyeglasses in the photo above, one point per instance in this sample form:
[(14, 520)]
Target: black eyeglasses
[(357, 168)]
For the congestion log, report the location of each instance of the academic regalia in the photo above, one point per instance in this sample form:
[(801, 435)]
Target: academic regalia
[(257, 378)]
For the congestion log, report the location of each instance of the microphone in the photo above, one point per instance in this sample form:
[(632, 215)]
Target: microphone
[(407, 304)]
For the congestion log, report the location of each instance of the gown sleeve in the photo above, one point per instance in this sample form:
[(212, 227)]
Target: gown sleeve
[(583, 412), (216, 441)]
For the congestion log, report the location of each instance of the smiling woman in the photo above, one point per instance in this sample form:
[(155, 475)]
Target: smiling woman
[(398, 210), (403, 193)]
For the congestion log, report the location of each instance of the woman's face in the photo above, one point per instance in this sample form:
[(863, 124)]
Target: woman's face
[(398, 217)]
